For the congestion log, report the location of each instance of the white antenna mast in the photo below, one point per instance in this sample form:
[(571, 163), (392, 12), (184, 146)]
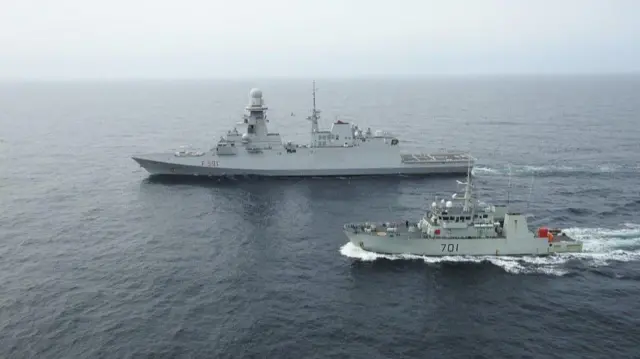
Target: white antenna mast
[(509, 188), (530, 192), (469, 169), (467, 190), (314, 112)]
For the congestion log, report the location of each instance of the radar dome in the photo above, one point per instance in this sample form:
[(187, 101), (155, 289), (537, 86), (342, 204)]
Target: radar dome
[(255, 93), (449, 204)]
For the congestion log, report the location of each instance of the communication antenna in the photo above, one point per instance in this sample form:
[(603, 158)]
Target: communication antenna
[(509, 187), (530, 192), (314, 96), (315, 113)]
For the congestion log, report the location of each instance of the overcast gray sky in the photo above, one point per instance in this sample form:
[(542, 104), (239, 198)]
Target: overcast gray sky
[(212, 38)]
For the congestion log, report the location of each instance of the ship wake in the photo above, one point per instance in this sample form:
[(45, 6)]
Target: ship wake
[(556, 170), (602, 248)]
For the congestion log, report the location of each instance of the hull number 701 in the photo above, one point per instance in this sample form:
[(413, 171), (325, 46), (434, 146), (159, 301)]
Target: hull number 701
[(449, 247)]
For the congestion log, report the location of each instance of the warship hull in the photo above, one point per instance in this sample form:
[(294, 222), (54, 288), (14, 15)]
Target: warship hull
[(297, 165), (462, 247), (343, 150)]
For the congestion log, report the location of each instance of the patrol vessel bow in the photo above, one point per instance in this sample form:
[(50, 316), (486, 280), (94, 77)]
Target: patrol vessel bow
[(461, 226), (343, 150)]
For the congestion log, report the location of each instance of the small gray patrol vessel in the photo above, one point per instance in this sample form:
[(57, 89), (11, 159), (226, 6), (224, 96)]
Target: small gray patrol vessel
[(461, 226)]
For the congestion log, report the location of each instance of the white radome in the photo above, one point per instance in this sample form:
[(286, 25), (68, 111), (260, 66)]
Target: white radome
[(255, 93)]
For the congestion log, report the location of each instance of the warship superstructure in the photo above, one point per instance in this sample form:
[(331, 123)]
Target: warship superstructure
[(461, 226), (342, 150)]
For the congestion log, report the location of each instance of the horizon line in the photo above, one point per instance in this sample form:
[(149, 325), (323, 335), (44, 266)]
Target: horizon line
[(321, 77)]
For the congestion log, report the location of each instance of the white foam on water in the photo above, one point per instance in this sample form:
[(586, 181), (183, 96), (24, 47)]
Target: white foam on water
[(519, 169), (601, 247), (516, 265), (528, 169), (483, 170), (544, 169)]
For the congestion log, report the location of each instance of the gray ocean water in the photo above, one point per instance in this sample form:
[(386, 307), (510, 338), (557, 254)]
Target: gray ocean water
[(98, 261)]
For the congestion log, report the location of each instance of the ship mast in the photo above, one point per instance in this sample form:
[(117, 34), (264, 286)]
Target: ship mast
[(315, 114), (467, 190)]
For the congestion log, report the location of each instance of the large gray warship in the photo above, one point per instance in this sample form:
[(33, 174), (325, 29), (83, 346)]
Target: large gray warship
[(343, 150), (461, 226)]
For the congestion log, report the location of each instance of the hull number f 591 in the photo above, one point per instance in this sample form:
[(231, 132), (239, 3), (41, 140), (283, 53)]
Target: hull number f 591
[(210, 163), (449, 247)]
